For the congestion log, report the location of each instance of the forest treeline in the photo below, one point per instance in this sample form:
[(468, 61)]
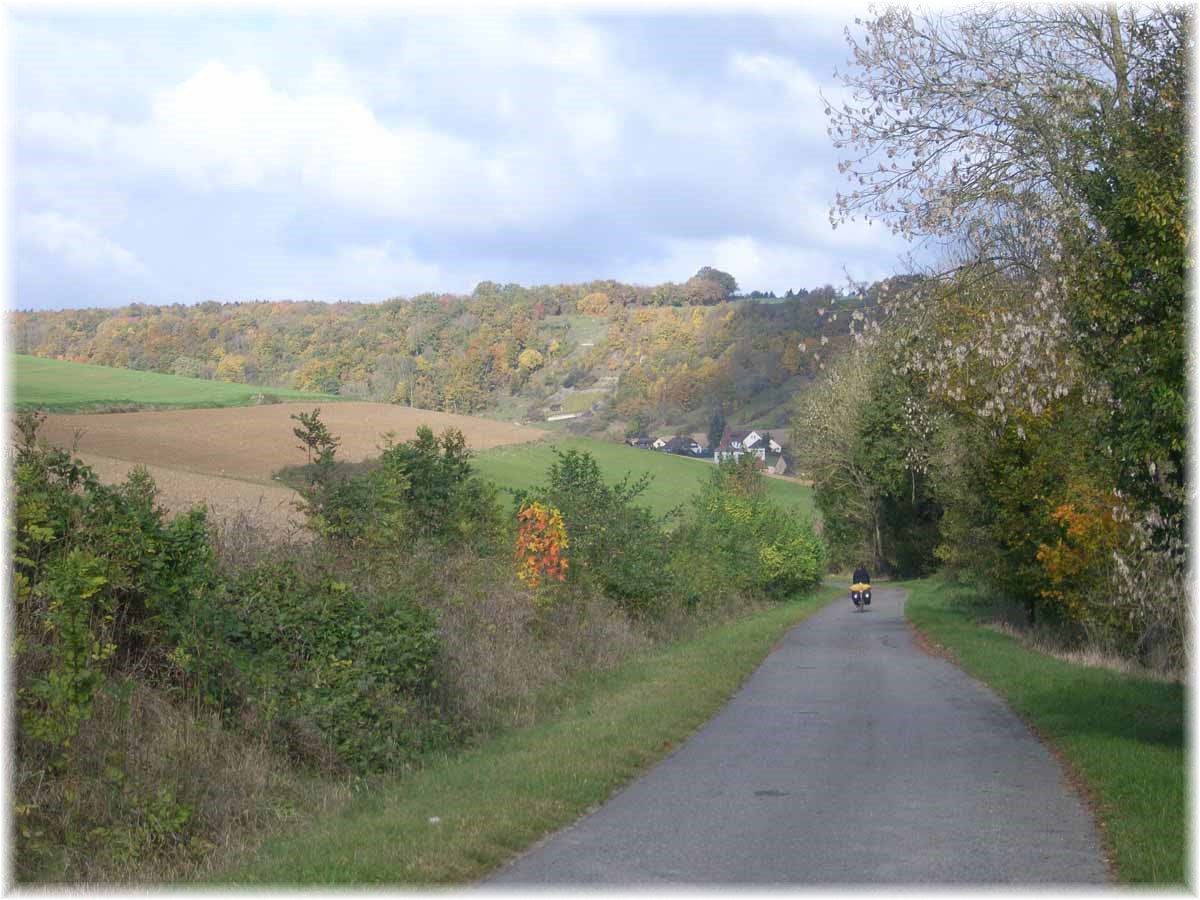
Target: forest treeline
[(662, 355), (1021, 417)]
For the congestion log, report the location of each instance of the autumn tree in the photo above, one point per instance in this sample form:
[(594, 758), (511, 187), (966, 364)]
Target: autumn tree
[(1045, 149), (1127, 272), (530, 360), (594, 304), (724, 279), (988, 129), (541, 545), (825, 441)]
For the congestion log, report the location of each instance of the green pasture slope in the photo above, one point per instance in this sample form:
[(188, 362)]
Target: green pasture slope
[(61, 386), (675, 478)]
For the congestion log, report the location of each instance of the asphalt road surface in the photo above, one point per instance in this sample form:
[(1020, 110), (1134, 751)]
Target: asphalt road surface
[(850, 758)]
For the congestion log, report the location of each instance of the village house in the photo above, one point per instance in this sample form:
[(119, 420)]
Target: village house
[(682, 445), (735, 444), (679, 444)]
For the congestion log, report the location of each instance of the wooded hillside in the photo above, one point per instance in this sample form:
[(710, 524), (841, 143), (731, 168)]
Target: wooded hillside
[(623, 355)]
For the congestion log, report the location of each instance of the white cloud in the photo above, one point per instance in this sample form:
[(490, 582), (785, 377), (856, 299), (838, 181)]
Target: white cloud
[(804, 89), (77, 245), (513, 130), (757, 264), (824, 22), (382, 270), (234, 128), (73, 132), (359, 271)]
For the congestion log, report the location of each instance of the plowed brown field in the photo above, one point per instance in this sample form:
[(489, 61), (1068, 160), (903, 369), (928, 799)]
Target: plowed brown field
[(226, 457), (272, 506)]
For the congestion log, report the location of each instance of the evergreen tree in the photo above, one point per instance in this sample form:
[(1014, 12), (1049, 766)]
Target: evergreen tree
[(716, 428)]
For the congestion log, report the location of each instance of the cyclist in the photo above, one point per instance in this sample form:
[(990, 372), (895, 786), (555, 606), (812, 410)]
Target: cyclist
[(861, 575), (860, 587)]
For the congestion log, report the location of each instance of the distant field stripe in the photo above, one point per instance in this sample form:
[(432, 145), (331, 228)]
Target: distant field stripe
[(65, 386), (676, 478)]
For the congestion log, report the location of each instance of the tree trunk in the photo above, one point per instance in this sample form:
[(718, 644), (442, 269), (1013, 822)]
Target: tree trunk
[(878, 545), (1120, 61)]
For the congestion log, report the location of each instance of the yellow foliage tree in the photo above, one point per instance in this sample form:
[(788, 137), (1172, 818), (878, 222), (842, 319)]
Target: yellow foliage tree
[(1077, 565), (231, 368), (594, 304), (530, 360)]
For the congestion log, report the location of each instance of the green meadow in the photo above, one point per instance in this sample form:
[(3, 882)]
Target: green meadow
[(62, 386), (674, 478)]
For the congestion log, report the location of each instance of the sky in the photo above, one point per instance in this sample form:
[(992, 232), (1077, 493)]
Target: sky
[(237, 154)]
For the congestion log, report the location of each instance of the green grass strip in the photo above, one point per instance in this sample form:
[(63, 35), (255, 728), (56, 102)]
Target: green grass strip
[(1122, 735), (490, 802), (675, 478), (63, 386)]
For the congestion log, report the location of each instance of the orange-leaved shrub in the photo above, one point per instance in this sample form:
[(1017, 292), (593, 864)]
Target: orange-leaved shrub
[(1078, 565), (541, 541)]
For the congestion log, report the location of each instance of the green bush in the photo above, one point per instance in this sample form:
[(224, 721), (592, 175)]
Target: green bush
[(111, 601), (341, 679), (614, 544), (736, 541), (104, 592), (418, 490), (101, 583)]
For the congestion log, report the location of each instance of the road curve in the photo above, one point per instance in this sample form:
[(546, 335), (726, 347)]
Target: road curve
[(852, 758)]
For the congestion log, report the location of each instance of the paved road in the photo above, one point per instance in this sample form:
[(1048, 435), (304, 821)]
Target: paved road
[(850, 757)]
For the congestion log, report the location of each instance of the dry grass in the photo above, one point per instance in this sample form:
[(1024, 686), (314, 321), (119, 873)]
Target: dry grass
[(271, 505), (246, 537), (1095, 657), (501, 649), (141, 762)]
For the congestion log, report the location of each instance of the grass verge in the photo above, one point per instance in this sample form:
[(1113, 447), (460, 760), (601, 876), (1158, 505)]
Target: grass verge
[(464, 814), (1121, 736)]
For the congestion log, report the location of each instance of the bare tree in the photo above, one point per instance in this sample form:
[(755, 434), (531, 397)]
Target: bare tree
[(976, 129), (965, 125)]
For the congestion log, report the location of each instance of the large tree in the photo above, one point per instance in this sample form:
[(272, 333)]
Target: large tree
[(727, 282), (966, 124), (826, 442), (1045, 149)]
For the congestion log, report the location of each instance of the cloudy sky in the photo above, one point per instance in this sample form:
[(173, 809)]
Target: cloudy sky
[(236, 155)]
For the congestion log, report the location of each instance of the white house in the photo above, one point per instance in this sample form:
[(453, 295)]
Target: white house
[(754, 438), (734, 444)]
